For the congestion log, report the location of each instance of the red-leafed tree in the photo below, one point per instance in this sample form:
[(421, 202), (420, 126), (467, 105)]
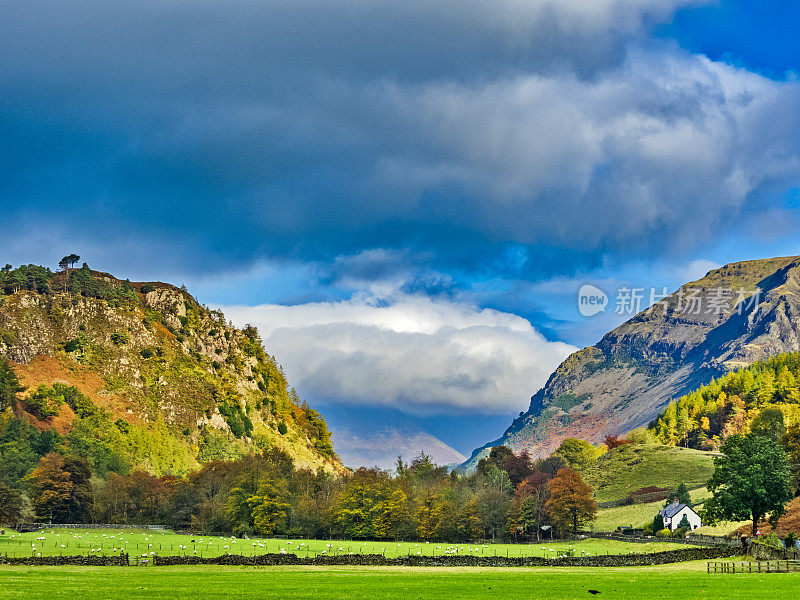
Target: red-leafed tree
[(571, 504)]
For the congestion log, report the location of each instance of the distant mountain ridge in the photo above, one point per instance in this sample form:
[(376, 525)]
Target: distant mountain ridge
[(627, 378), (374, 436)]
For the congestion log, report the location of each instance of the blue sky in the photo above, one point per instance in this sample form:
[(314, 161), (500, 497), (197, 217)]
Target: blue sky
[(404, 196)]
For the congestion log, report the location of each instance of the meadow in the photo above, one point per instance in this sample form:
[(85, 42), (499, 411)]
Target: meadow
[(687, 580), (137, 542)]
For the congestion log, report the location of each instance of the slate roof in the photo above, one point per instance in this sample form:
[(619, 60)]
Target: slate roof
[(672, 510)]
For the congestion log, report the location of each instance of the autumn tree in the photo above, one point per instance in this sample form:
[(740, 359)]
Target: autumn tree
[(395, 520), (51, 489), (570, 504), (529, 507), (363, 500), (270, 506), (614, 441), (578, 453), (751, 480)]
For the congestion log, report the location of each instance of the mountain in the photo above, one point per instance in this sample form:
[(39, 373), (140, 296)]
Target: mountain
[(367, 437), (701, 331), (163, 382)]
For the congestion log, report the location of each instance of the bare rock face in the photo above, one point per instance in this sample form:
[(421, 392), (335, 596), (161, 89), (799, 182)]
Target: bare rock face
[(701, 331)]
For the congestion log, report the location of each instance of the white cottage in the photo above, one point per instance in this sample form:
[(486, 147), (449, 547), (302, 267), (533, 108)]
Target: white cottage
[(673, 515)]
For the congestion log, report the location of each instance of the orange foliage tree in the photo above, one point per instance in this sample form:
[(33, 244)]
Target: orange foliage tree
[(570, 504)]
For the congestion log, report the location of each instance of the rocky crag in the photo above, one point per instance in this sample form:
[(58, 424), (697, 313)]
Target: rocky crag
[(179, 384)]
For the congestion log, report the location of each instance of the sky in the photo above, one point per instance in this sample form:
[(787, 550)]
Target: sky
[(405, 197)]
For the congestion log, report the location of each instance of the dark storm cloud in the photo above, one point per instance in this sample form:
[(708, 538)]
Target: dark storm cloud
[(215, 133)]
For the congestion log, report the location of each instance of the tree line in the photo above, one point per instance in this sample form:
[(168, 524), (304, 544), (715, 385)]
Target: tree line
[(761, 399), (509, 496)]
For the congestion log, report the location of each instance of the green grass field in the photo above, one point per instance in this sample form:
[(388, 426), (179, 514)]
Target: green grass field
[(138, 542), (628, 468), (685, 581)]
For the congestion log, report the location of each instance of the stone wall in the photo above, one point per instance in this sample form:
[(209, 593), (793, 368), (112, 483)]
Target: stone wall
[(621, 560), (53, 561)]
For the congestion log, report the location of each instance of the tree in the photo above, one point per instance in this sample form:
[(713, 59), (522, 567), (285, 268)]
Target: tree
[(82, 498), (61, 489), (570, 505), (65, 263), (791, 443), (10, 505), (679, 495), (51, 489), (614, 441), (684, 524), (69, 259), (9, 385), (750, 481), (770, 423), (44, 402), (270, 506), (493, 506), (529, 508), (395, 520), (578, 453), (658, 523)]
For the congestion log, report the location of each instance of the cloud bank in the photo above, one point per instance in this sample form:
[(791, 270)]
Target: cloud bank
[(221, 133), (413, 353)]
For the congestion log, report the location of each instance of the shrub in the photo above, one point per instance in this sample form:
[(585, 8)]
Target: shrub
[(74, 345), (9, 338), (283, 428), (771, 540), (663, 533), (119, 338), (44, 402), (147, 288), (680, 532)]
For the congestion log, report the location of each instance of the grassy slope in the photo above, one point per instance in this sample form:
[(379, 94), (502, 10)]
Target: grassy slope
[(628, 468), (637, 515), (201, 582), (137, 542)]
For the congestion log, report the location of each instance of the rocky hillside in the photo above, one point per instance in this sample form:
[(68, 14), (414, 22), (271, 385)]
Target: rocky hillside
[(704, 329), (176, 384)]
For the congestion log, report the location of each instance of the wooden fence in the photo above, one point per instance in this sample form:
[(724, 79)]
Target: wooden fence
[(755, 566)]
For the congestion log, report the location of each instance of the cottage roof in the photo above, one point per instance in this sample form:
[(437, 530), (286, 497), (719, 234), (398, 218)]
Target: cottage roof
[(672, 510)]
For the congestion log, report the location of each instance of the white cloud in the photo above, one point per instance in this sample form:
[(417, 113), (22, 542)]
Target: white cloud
[(414, 353)]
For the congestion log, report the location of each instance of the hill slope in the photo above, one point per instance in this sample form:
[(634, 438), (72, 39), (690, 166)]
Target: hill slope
[(625, 380), (174, 382), (628, 468)]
